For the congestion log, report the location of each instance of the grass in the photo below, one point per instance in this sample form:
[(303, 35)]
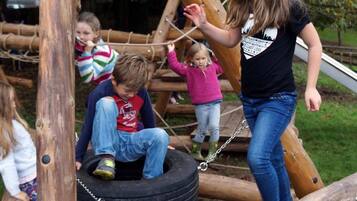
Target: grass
[(348, 38)]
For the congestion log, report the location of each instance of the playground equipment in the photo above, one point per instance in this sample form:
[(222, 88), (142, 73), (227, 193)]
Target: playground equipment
[(55, 106)]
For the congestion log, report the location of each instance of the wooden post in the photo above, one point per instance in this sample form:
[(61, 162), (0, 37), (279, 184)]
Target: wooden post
[(55, 102), (226, 188), (229, 58), (302, 172), (160, 36)]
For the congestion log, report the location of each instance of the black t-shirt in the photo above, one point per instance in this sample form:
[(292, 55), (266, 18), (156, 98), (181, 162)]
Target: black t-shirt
[(266, 57)]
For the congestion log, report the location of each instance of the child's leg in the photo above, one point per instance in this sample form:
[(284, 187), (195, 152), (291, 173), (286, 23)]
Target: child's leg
[(151, 143), (213, 121), (104, 127), (202, 114), (267, 119), (30, 188), (104, 137)]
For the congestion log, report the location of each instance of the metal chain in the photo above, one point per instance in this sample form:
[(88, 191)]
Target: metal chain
[(203, 166), (89, 191)]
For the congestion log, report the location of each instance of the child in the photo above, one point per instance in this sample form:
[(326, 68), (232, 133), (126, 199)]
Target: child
[(267, 31), (205, 92), (94, 59), (112, 119), (17, 151)]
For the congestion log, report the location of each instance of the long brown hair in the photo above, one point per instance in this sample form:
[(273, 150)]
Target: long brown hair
[(267, 13), (7, 114)]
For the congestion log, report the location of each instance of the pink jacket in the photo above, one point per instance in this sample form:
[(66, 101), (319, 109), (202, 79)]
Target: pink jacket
[(203, 85)]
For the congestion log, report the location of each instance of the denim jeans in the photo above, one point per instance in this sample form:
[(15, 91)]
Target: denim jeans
[(208, 116), (124, 146), (267, 119)]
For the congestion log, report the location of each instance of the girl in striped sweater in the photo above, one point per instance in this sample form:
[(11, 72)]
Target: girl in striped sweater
[(94, 59)]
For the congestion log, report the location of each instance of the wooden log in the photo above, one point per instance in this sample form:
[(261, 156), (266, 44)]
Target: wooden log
[(229, 58), (160, 36), (107, 35), (227, 188), (159, 86), (55, 102), (343, 190), (302, 171), (178, 141), (19, 29), (20, 81), (11, 41)]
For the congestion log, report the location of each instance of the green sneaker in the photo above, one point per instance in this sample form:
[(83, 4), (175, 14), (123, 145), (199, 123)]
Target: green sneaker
[(196, 151), (105, 169)]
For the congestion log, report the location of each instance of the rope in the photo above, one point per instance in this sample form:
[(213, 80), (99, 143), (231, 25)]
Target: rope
[(4, 41), (129, 37), (166, 124), (108, 35), (147, 38), (196, 123), (1, 26), (31, 42)]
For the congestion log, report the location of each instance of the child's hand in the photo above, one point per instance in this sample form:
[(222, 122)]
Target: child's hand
[(312, 99), (171, 47), (89, 46), (22, 196), (78, 165)]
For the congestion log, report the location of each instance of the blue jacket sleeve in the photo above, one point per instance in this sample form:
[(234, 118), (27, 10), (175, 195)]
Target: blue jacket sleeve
[(146, 112), (102, 90)]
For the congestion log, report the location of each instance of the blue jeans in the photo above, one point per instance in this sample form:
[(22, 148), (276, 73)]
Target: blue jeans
[(208, 116), (124, 146), (268, 119)]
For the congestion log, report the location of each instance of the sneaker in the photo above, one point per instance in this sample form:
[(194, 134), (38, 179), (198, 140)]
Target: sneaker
[(105, 169)]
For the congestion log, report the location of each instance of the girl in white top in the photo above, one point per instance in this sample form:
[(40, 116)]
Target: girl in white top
[(17, 151)]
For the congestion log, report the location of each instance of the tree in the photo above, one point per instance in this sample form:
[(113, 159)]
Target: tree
[(338, 14)]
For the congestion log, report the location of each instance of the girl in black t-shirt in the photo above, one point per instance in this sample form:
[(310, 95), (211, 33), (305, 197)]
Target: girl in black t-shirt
[(267, 31)]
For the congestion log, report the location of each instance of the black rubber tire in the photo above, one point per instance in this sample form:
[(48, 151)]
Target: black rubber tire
[(178, 183)]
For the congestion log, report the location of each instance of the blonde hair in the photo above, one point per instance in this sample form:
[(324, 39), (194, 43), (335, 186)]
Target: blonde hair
[(7, 114), (267, 13), (90, 19), (197, 47), (132, 71)]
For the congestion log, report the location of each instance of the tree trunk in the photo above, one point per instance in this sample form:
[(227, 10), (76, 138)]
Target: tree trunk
[(55, 102)]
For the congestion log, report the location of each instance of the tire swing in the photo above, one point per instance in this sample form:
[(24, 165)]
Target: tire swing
[(178, 183)]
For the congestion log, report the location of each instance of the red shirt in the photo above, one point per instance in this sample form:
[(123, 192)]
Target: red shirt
[(127, 119)]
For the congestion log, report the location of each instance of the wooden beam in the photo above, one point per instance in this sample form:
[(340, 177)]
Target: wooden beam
[(55, 102), (20, 81), (159, 86), (345, 189), (227, 188), (160, 36), (302, 172), (229, 58)]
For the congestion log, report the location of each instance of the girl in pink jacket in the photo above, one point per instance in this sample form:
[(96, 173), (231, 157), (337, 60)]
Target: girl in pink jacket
[(204, 89)]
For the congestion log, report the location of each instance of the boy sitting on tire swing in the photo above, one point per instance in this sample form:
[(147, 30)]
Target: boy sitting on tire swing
[(112, 120)]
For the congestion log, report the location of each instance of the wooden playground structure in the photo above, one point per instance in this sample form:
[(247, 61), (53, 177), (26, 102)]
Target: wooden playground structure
[(54, 39)]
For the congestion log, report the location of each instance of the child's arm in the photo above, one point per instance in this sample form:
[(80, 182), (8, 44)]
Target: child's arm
[(228, 38), (312, 40), (9, 174), (94, 65), (218, 67), (146, 112), (174, 64)]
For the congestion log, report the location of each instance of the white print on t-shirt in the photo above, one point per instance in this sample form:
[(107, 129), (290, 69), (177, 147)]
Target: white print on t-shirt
[(128, 113), (253, 46)]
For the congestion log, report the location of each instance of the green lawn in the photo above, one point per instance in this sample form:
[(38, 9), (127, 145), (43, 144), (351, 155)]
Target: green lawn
[(349, 38)]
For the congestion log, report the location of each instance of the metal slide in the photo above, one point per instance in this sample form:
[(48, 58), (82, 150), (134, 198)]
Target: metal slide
[(330, 67)]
